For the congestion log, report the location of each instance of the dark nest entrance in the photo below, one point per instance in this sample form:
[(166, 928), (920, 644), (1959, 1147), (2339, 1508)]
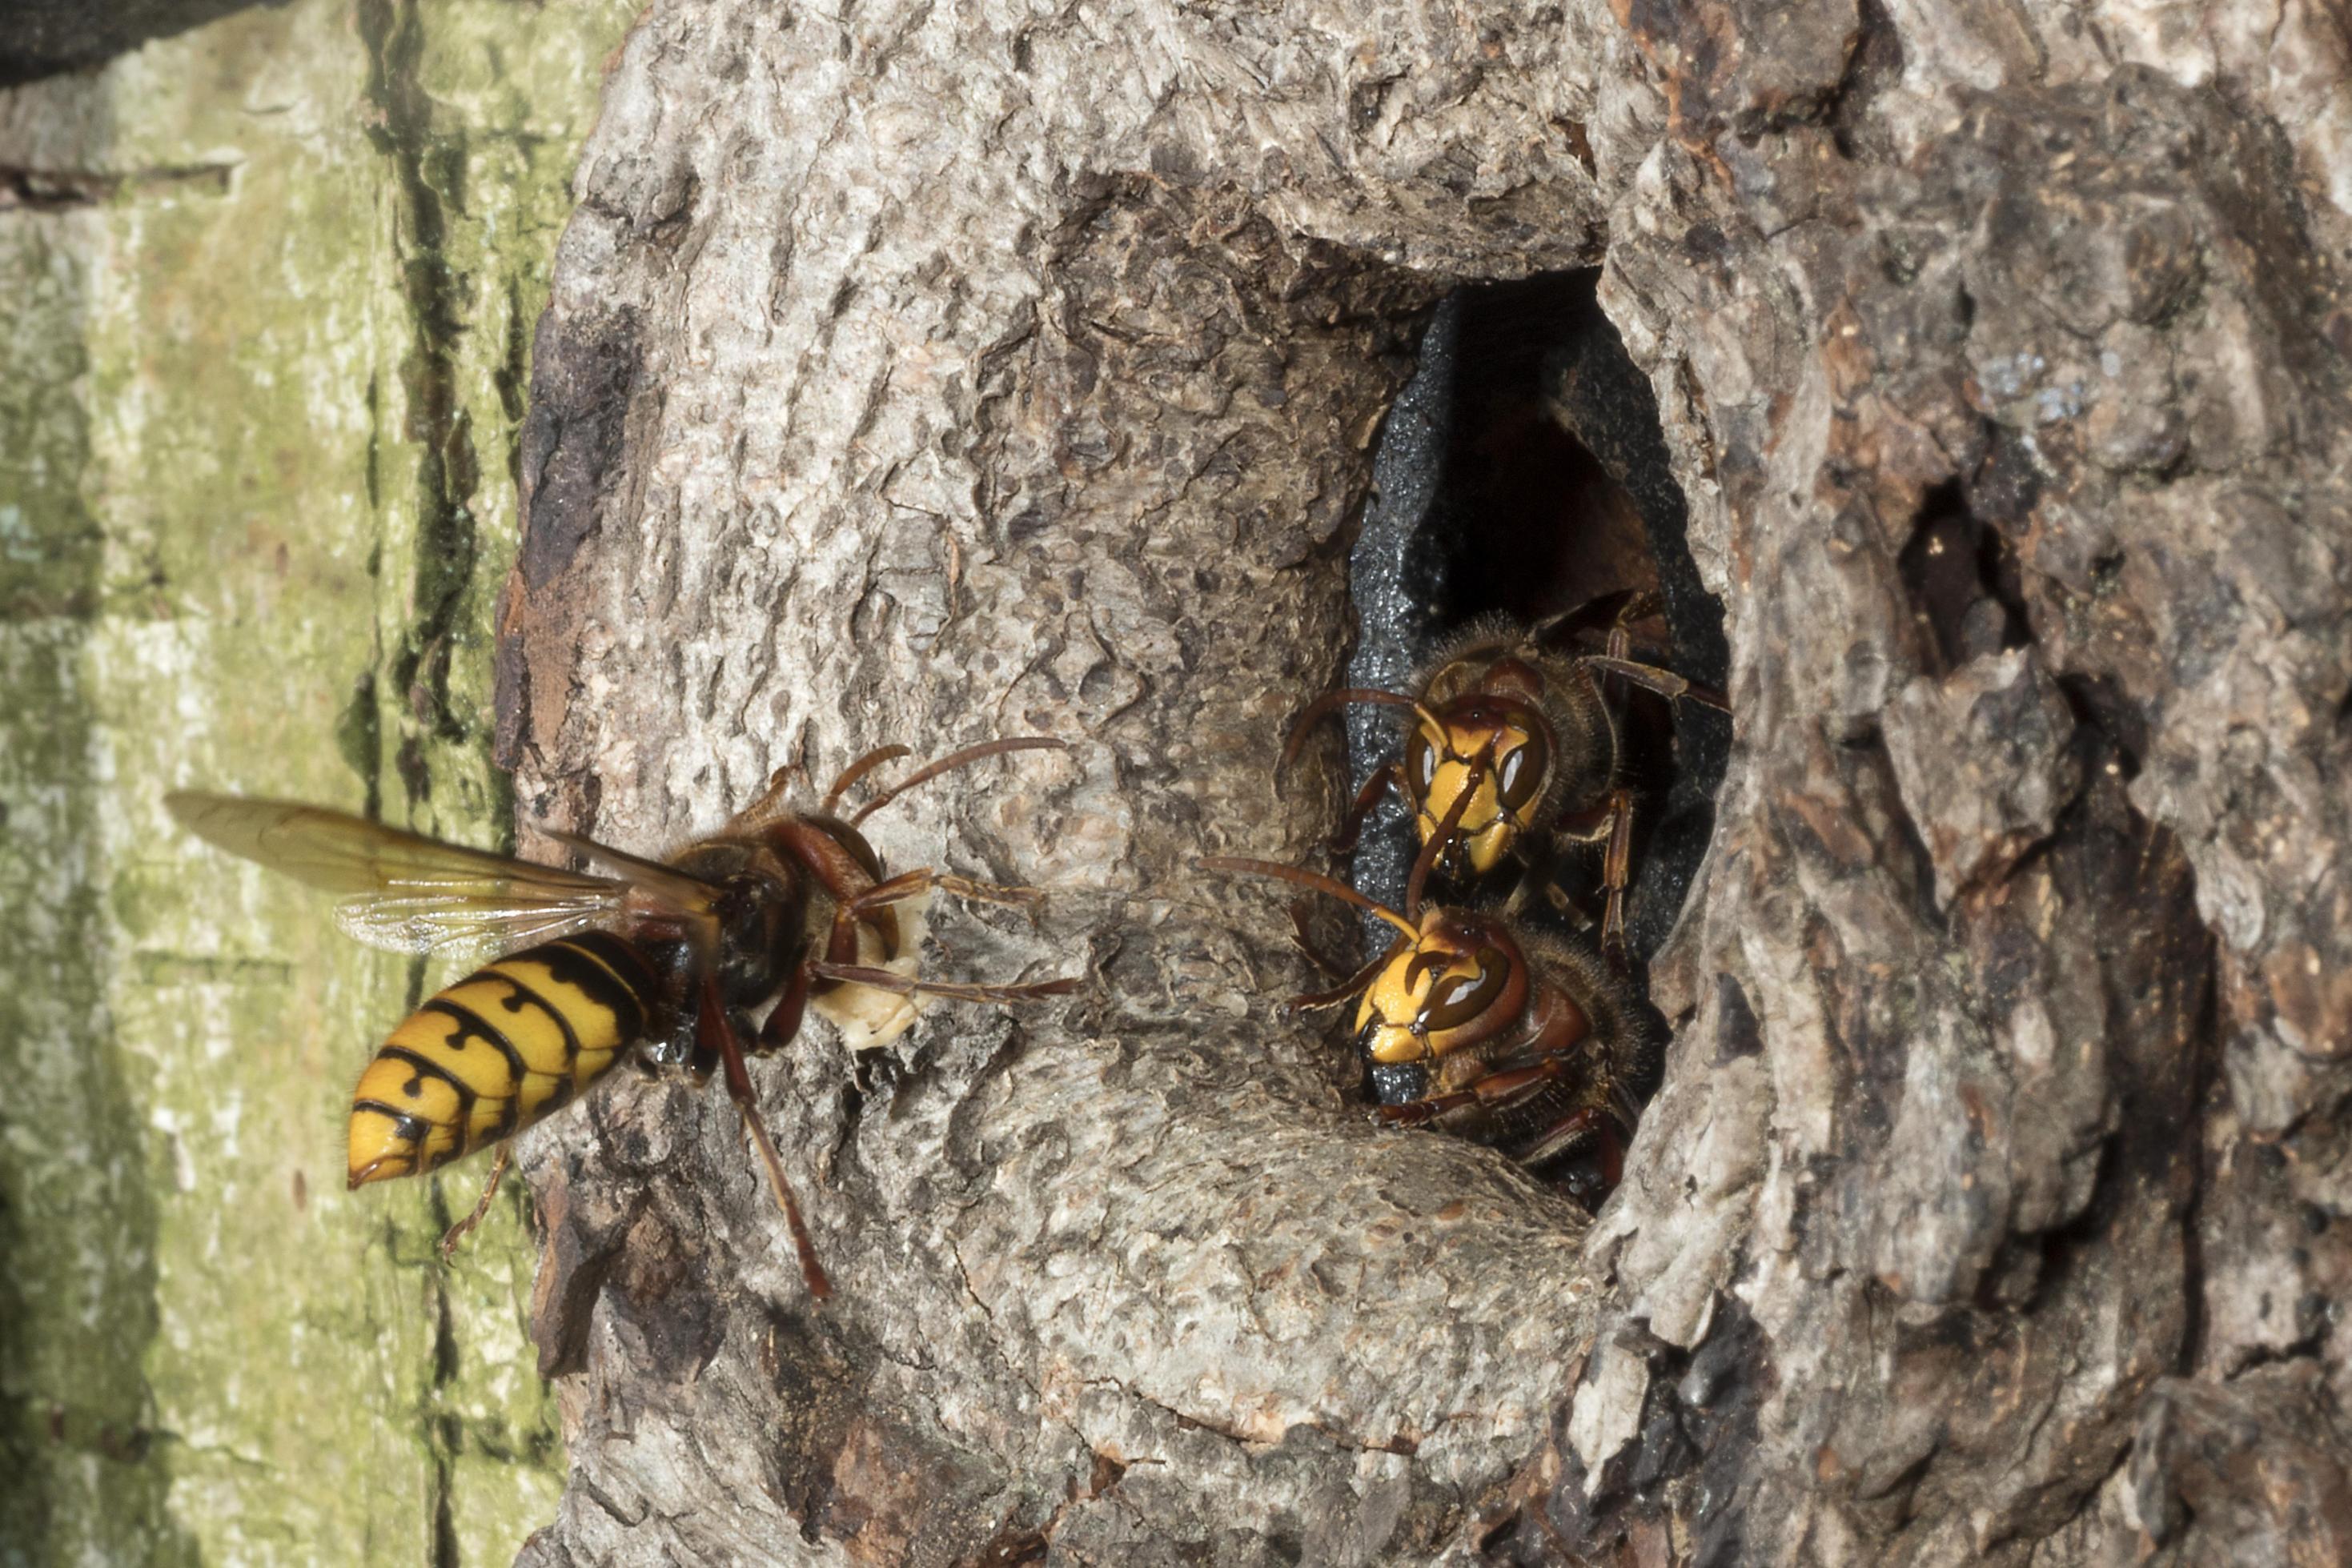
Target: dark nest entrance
[(1523, 473)]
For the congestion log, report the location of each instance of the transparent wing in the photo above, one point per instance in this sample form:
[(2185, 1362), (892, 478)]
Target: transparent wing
[(414, 894), (466, 926), (343, 853)]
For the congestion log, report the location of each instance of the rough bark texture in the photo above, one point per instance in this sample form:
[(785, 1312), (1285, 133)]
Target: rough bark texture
[(926, 373)]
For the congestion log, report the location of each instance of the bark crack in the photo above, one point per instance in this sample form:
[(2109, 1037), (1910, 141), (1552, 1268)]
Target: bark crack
[(43, 190)]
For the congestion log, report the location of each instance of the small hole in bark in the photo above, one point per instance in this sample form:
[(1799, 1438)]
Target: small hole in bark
[(2109, 727), (1962, 580)]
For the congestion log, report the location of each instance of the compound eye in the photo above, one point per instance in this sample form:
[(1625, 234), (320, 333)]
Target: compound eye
[(1458, 1001), (1421, 762), (1520, 777)]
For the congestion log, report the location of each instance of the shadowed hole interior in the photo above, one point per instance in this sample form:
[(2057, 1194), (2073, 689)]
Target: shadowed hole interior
[(1962, 579), (1524, 472)]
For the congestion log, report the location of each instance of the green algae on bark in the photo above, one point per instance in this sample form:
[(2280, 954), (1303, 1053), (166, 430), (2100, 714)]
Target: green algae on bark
[(78, 1221), (256, 499)]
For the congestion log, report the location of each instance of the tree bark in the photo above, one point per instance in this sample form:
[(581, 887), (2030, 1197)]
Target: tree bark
[(920, 376), (266, 290)]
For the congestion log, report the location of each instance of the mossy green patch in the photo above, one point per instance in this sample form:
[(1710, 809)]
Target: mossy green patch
[(256, 499), (78, 1220)]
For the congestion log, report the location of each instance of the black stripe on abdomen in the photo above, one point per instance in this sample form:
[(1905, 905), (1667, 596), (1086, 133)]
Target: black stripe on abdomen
[(608, 970), (424, 1069), (470, 1022), (406, 1123), (523, 994)]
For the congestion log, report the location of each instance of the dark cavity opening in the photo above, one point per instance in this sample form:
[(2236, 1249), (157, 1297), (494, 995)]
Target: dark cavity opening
[(1524, 472), (1962, 579)]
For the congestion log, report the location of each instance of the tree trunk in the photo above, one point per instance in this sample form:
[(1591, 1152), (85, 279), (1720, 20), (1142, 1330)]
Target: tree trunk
[(924, 374)]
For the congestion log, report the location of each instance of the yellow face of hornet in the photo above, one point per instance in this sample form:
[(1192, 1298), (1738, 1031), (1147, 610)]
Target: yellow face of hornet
[(1443, 762), (1460, 980)]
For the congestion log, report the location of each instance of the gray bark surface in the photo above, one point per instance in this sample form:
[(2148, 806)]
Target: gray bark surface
[(921, 376)]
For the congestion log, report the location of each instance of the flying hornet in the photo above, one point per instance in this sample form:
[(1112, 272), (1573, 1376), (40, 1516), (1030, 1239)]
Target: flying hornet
[(1515, 742), (671, 958)]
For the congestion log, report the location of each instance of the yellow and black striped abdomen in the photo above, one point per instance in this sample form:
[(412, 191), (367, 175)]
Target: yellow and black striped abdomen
[(503, 1047)]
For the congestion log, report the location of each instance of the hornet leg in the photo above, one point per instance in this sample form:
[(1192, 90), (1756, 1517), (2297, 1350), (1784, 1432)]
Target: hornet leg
[(714, 1032), (464, 1227), (1387, 776)]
